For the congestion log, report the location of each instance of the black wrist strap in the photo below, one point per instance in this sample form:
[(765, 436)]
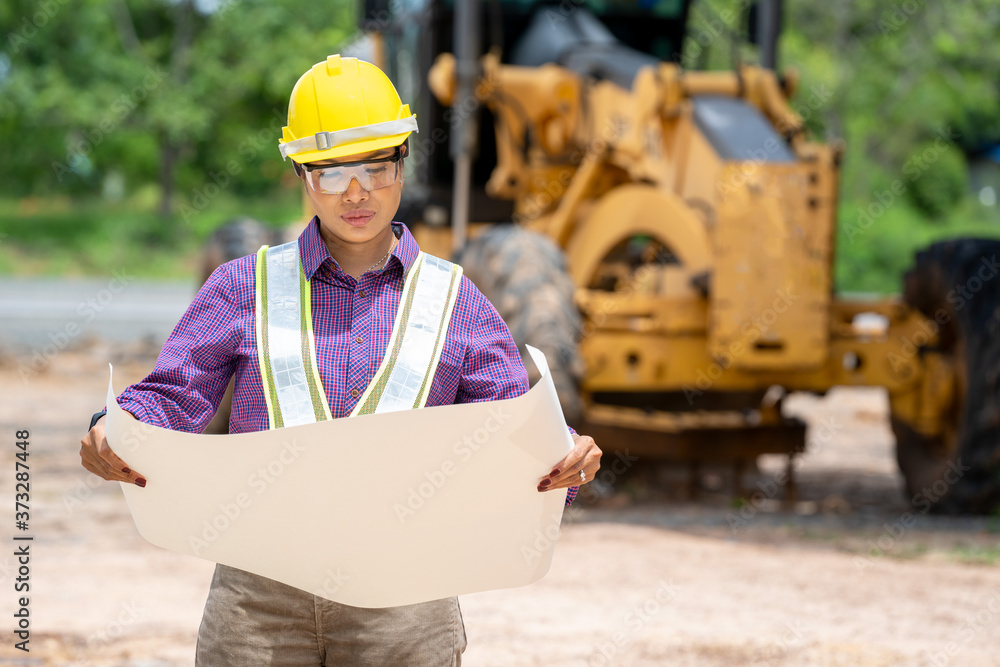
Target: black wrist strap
[(96, 418)]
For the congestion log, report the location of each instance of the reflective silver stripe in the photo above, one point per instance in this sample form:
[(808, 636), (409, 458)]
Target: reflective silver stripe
[(324, 140), (284, 335), (451, 297), (290, 388), (419, 350)]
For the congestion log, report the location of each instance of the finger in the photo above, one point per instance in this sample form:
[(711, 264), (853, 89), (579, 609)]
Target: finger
[(568, 473), (101, 460), (567, 480), (99, 466), (585, 456), (582, 444), (114, 462), (564, 482), (98, 469), (103, 469), (562, 471), (568, 462), (105, 452), (90, 459)]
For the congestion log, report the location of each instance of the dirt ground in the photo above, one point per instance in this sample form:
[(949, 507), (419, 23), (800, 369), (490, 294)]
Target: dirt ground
[(845, 577)]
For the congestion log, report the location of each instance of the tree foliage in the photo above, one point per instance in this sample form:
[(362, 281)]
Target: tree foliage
[(904, 76), (175, 101), (164, 91)]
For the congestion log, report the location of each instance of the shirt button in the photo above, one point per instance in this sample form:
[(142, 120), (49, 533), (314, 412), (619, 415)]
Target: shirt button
[(362, 294), (359, 340), (354, 393)]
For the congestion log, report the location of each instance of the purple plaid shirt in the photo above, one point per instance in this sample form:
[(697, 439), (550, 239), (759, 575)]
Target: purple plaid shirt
[(352, 322)]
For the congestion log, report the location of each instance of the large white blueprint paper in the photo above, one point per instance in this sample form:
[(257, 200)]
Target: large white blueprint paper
[(371, 511)]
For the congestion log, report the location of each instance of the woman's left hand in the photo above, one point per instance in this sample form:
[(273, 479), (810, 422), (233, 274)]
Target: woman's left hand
[(585, 456)]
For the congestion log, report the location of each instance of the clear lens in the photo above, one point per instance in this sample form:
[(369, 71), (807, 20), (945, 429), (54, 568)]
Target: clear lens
[(336, 179)]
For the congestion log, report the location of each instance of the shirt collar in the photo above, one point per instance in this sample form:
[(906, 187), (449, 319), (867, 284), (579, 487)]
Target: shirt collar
[(314, 252)]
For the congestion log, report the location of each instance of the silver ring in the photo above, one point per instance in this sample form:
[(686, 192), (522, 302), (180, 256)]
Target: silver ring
[(583, 476)]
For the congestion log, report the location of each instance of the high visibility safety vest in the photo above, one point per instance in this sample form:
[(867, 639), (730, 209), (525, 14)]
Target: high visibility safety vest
[(286, 350)]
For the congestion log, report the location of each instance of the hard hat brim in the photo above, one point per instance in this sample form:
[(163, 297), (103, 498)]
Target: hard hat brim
[(355, 148)]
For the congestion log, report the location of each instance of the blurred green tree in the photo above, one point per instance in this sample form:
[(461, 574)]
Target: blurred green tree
[(173, 101), (164, 91), (903, 75)]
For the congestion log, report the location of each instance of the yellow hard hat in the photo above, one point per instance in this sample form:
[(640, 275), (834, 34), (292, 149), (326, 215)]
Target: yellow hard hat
[(343, 106)]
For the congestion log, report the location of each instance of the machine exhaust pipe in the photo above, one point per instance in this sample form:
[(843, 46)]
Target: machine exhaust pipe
[(769, 32), (465, 127)]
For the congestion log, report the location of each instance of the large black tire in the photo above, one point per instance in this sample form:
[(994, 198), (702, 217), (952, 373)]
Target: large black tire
[(524, 276), (957, 284)]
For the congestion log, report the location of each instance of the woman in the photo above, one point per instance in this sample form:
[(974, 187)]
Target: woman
[(347, 137)]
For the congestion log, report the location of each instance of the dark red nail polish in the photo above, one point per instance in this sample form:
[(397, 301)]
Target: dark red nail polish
[(545, 482), (542, 488), (139, 481), (126, 470), (555, 472)]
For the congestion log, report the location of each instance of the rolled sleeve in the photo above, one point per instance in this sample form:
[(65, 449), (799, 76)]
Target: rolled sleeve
[(195, 365), (492, 369)]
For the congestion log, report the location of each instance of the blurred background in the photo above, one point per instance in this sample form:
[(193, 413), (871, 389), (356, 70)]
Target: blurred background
[(140, 150), (116, 115)]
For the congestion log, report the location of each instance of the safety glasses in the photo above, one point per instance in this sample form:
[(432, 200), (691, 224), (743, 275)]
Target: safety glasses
[(371, 174)]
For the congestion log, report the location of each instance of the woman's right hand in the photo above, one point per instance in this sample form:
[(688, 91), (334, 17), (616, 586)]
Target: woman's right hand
[(98, 458)]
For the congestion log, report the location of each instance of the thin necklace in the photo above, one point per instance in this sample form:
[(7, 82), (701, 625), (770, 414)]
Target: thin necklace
[(385, 256)]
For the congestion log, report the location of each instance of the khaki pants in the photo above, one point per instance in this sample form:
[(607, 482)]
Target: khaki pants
[(251, 621)]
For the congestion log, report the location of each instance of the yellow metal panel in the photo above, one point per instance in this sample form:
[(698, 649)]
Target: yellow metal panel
[(771, 281), (697, 181)]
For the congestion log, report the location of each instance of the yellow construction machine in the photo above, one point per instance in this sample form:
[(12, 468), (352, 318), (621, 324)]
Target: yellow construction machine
[(666, 235)]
